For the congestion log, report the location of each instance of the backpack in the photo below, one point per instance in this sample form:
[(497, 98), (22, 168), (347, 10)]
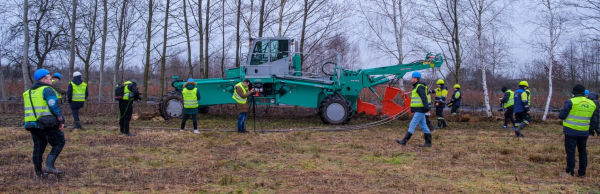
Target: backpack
[(119, 92)]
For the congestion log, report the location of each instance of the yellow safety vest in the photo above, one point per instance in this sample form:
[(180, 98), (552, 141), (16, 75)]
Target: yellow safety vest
[(580, 114), (126, 91), (37, 101), (58, 95), (528, 97), (439, 93), (190, 100), (415, 100), (78, 92), (236, 96), (511, 99)]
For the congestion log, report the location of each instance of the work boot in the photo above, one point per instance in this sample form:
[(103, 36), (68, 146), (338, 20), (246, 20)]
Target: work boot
[(427, 138), (76, 125), (439, 123), (444, 124), (518, 130), (431, 127), (40, 174), (405, 140), (129, 134), (50, 165)]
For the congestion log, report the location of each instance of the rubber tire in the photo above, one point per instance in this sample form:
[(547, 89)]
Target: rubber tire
[(204, 110), (336, 98), (162, 107)]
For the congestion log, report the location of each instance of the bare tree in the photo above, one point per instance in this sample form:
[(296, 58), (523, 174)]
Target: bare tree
[(25, 58), (237, 33), (187, 36), (103, 47), (48, 34), (120, 43), (589, 15), (164, 49), (72, 23), (206, 39), (89, 22), (148, 49), (551, 23)]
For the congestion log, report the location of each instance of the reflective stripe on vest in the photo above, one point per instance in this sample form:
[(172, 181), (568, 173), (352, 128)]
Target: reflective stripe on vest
[(236, 96), (511, 99), (58, 95), (126, 91), (78, 92), (37, 101), (190, 99), (580, 114), (415, 100)]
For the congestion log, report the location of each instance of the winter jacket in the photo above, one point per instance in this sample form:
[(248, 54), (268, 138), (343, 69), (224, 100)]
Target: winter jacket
[(564, 112), (594, 97), (51, 99), (505, 99), (191, 86), (521, 101), (75, 105), (242, 108), (422, 91)]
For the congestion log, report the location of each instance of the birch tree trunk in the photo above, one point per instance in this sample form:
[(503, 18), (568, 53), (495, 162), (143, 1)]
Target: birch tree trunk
[(103, 47), (25, 57), (187, 37), (72, 54)]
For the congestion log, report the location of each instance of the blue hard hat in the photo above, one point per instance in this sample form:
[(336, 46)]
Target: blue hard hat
[(416, 74), (190, 80), (40, 73), (587, 92), (57, 75)]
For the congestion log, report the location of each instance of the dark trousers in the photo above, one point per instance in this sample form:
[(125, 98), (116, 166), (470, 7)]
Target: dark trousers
[(509, 115), (570, 144), (75, 112), (439, 112), (454, 108), (125, 112), (194, 120), (522, 117), (55, 137)]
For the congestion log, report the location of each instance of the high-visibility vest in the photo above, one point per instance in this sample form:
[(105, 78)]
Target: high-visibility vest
[(581, 113), (415, 100), (126, 91), (236, 96), (190, 100), (528, 97), (78, 92), (58, 95), (511, 99), (440, 94), (37, 101), (457, 95)]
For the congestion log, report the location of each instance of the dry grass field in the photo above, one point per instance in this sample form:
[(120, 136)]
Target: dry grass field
[(468, 157)]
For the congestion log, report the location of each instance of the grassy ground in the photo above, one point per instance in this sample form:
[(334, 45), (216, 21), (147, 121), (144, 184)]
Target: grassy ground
[(471, 157)]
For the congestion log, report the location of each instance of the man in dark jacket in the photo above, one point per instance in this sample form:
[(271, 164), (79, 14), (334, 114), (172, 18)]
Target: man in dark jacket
[(41, 101), (507, 102), (419, 106), (130, 94), (58, 87), (594, 97), (191, 96), (77, 93), (240, 95), (578, 114), (521, 108), (455, 101)]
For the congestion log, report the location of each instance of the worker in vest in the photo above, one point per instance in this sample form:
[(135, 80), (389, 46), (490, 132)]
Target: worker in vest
[(130, 94), (454, 103), (240, 95), (507, 102), (521, 108), (191, 96), (41, 101), (578, 115), (594, 97), (418, 106), (440, 102), (58, 87), (77, 93)]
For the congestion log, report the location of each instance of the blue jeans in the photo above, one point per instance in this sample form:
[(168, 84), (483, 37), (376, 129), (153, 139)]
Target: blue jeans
[(418, 119), (241, 122)]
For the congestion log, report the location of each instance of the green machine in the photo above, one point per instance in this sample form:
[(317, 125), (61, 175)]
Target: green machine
[(273, 67)]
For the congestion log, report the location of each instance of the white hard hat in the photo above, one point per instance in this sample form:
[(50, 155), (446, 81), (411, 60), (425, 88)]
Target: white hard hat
[(76, 74)]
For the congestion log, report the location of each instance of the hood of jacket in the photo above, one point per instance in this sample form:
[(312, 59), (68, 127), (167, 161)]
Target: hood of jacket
[(189, 85), (593, 96)]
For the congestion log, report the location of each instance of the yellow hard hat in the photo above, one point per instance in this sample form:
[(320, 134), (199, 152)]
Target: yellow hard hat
[(523, 83), (456, 86), (440, 82)]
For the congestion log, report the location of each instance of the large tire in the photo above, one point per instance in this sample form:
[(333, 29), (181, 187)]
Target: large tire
[(171, 105), (203, 110), (335, 109)]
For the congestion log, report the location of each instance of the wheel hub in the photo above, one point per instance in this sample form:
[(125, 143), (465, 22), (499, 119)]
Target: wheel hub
[(335, 111), (174, 108)]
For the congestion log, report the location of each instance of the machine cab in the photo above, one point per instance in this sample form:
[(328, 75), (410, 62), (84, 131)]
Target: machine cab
[(270, 56)]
